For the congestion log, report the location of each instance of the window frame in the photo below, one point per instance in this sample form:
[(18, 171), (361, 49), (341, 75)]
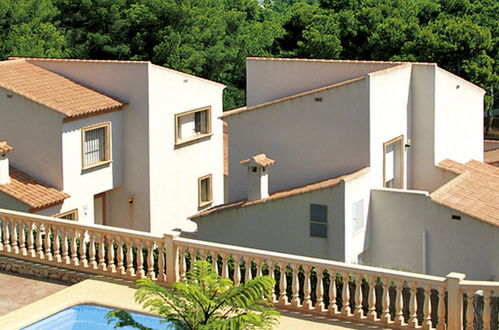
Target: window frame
[(84, 130), (322, 223), (179, 141), (201, 203), (63, 214)]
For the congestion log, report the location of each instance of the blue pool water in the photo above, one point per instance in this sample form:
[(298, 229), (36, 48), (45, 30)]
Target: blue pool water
[(84, 317)]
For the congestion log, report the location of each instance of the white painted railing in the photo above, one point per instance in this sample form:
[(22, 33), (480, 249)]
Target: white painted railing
[(368, 294)]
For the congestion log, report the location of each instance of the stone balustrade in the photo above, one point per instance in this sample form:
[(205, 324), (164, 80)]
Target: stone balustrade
[(310, 285)]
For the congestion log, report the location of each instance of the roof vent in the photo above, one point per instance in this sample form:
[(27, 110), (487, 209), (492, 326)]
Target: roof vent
[(4, 162), (258, 182)]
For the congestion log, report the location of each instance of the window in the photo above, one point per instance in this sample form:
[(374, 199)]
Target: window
[(318, 220), (205, 191), (192, 125), (70, 215), (96, 145), (358, 215)]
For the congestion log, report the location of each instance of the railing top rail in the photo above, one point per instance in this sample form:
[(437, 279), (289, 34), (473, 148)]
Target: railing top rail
[(308, 261), (479, 285), (122, 232)]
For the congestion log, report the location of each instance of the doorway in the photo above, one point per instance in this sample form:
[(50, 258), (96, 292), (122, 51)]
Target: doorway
[(100, 209), (393, 163)]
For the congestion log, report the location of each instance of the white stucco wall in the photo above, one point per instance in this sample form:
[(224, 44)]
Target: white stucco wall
[(10, 203), (174, 171), (398, 221), (311, 141), (271, 79), (35, 133), (281, 225)]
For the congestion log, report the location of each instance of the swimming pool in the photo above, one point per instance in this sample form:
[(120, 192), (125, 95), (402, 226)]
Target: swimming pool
[(84, 317)]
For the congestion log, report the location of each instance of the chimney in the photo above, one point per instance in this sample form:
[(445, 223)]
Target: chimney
[(258, 180), (4, 162)]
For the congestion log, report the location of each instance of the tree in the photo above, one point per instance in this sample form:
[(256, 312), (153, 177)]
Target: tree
[(205, 301)]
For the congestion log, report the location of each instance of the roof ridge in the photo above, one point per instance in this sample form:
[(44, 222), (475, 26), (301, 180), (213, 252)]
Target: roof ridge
[(290, 59), (48, 59)]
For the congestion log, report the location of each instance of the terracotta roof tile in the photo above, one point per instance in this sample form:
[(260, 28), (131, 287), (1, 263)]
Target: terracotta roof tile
[(474, 192), (492, 157), (31, 192), (260, 159), (285, 193), (52, 90), (4, 147)]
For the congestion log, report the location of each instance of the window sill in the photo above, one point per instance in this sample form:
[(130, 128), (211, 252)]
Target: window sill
[(96, 165), (204, 205), (192, 140)]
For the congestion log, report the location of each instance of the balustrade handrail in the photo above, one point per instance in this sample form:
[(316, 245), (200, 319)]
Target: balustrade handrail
[(479, 285)]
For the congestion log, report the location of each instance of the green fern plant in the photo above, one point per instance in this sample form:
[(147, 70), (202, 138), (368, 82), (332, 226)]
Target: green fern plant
[(205, 300)]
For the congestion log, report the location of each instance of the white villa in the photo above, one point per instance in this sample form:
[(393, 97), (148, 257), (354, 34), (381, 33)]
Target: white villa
[(363, 162), (121, 143)]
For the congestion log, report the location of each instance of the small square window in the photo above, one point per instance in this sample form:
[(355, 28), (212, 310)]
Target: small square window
[(70, 215), (192, 125), (96, 145), (205, 190), (358, 215), (318, 220)]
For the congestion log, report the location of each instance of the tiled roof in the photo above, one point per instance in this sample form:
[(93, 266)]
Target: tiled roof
[(491, 152), (53, 91), (4, 147), (260, 159), (474, 192), (285, 193), (31, 192)]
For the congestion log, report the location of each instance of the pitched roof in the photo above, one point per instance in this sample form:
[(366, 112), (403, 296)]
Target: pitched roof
[(53, 91), (285, 193), (4, 147), (260, 159), (31, 192), (474, 192)]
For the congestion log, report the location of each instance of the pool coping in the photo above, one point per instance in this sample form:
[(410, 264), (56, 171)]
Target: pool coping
[(100, 291)]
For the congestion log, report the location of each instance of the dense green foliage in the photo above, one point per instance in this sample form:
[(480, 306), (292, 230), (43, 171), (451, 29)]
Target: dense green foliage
[(205, 301), (211, 38)]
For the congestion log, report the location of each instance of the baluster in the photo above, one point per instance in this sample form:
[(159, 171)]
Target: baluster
[(214, 262), (74, 251), (120, 256), (57, 244), (247, 274), (203, 254), (345, 310), (427, 307), (13, 236), (385, 313), (183, 265), (413, 305), (225, 266), (237, 269), (102, 252), (194, 256), (65, 248), (48, 252), (110, 254), (38, 242), (307, 288), (83, 251), (2, 222), (486, 309), (5, 235), (91, 251), (150, 261), (358, 312), (399, 303), (271, 265), (161, 276), (333, 307), (371, 301), (295, 286), (441, 309), (22, 238), (470, 310), (283, 297), (140, 260), (129, 259), (319, 290), (29, 232), (259, 264)]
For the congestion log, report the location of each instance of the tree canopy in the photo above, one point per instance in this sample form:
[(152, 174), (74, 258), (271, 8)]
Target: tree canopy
[(212, 38)]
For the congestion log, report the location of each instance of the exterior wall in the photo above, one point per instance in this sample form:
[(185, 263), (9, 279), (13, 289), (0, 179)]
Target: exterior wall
[(311, 141), (399, 221), (271, 79), (388, 111), (281, 225), (10, 203), (35, 133), (174, 171), (127, 82), (81, 184), (458, 118)]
